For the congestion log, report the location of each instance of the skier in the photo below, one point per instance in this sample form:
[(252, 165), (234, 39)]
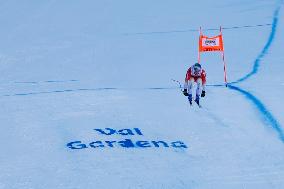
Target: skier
[(195, 74)]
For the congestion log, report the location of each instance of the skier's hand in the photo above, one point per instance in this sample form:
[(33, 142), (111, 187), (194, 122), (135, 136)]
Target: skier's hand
[(185, 92), (203, 94)]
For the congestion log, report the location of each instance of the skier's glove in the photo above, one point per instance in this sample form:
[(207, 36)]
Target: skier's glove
[(185, 92), (203, 94)]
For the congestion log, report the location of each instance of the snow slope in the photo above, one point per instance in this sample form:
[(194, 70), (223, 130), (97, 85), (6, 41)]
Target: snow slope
[(70, 69)]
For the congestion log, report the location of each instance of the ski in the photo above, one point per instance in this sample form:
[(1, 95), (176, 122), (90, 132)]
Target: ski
[(191, 104), (198, 104)]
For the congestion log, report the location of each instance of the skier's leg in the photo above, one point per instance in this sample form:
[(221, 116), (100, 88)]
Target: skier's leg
[(190, 86), (198, 89), (199, 86)]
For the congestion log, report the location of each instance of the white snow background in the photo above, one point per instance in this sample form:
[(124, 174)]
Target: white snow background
[(68, 67)]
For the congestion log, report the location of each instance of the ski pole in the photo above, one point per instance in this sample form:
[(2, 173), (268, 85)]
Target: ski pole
[(179, 83)]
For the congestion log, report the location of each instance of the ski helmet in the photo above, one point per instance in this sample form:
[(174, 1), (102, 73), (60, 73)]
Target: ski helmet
[(197, 66)]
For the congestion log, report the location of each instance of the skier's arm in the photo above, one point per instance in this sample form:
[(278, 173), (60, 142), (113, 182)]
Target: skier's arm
[(203, 77), (185, 86)]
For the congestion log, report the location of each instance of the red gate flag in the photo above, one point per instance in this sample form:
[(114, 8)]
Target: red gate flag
[(211, 43)]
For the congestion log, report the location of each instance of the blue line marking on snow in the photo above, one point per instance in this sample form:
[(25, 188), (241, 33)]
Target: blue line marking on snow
[(267, 116), (58, 91), (216, 85), (264, 50), (86, 89), (195, 30), (48, 81)]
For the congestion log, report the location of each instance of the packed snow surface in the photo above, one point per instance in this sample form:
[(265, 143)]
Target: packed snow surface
[(88, 101)]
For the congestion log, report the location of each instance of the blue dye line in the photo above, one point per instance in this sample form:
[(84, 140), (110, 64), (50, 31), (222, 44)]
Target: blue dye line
[(264, 50), (268, 118), (195, 30), (49, 81), (87, 89), (58, 91)]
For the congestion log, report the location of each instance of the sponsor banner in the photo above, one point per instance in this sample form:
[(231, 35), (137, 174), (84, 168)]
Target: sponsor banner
[(210, 43)]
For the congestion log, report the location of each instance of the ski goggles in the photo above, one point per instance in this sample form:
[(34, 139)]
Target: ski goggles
[(196, 68)]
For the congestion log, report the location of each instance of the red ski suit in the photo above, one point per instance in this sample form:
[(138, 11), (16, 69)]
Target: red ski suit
[(191, 74)]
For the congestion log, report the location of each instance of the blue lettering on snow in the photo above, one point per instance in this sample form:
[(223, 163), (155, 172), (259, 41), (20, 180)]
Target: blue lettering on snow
[(126, 143), (110, 131)]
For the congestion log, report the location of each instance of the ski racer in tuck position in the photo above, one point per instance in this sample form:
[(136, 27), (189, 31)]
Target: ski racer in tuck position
[(198, 75)]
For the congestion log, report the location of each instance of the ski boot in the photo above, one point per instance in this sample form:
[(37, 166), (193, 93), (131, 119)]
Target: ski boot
[(197, 100), (190, 99)]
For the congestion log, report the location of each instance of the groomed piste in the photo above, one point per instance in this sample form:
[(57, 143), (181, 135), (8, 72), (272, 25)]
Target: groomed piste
[(90, 95)]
